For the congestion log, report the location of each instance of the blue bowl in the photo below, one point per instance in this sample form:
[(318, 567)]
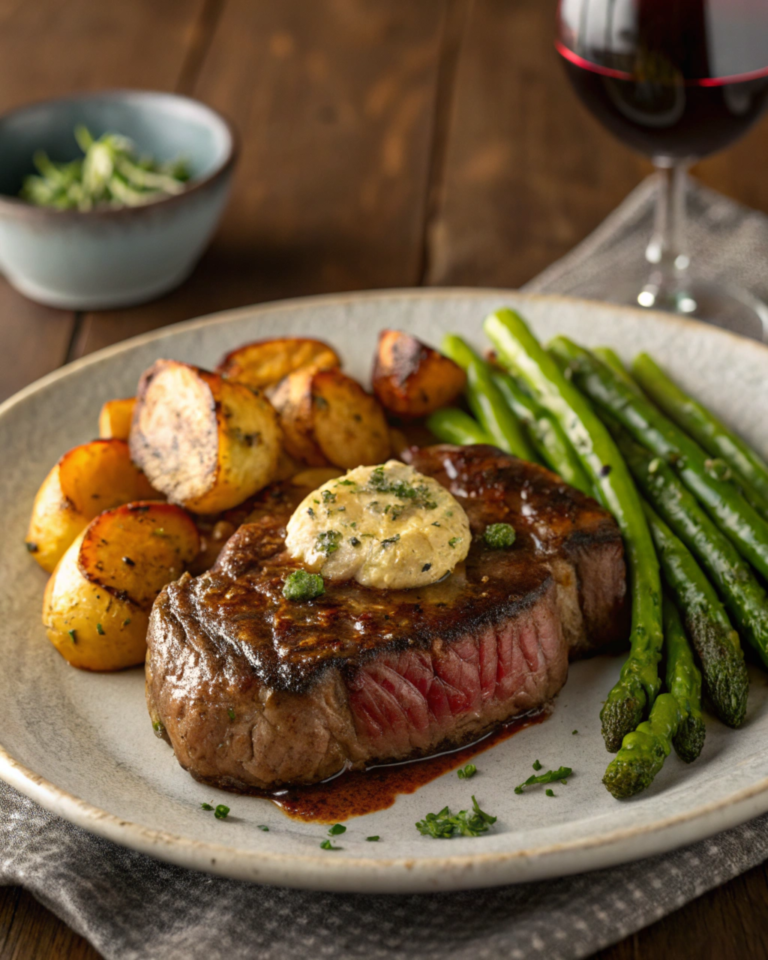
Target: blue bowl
[(109, 257)]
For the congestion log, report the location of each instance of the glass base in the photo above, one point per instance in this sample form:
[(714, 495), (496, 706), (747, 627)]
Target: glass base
[(722, 306)]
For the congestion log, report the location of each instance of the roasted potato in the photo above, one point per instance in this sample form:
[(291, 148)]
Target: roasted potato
[(97, 603), (88, 479), (115, 419), (266, 362), (411, 379), (205, 442), (327, 418)]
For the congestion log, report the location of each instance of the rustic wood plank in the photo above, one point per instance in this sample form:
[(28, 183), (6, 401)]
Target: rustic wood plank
[(36, 338), (34, 932), (334, 103)]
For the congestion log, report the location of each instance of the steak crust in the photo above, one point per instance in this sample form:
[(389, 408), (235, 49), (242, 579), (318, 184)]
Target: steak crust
[(256, 692)]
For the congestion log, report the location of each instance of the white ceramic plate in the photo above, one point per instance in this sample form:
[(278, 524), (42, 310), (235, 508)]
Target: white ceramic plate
[(82, 745)]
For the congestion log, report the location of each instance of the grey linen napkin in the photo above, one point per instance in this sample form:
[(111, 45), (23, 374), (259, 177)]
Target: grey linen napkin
[(130, 906)]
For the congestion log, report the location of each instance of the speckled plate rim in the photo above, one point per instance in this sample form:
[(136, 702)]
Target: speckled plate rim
[(422, 874)]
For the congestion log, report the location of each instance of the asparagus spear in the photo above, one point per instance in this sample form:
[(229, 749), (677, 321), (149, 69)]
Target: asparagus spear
[(454, 426), (639, 684), (684, 683), (751, 470), (675, 718), (486, 401), (701, 475), (737, 585), (546, 434), (713, 638), (611, 359)]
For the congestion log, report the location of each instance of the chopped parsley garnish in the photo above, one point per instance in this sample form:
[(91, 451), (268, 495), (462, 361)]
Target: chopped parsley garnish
[(346, 483), (550, 793), (157, 726), (445, 825), (310, 513), (328, 542), (327, 845), (301, 585), (262, 827), (536, 765), (466, 772), (372, 839), (418, 495), (72, 636), (453, 541), (206, 806), (551, 776), (499, 536), (336, 829), (99, 629), (126, 622), (354, 542), (328, 497), (574, 732), (231, 713), (221, 812), (386, 543)]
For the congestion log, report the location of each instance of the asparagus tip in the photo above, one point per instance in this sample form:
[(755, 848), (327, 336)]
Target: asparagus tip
[(689, 739), (620, 717), (624, 778)]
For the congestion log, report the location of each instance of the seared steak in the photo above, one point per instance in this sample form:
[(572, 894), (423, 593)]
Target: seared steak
[(254, 691)]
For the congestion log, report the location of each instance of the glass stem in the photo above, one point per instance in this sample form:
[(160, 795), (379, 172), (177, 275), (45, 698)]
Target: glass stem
[(666, 251)]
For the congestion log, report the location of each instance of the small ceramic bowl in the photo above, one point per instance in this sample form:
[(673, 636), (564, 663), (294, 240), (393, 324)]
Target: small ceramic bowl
[(106, 257)]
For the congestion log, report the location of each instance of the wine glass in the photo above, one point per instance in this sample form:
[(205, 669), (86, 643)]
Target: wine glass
[(676, 80)]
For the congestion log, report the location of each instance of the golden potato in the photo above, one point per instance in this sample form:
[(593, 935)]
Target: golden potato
[(411, 379), (265, 362), (88, 479), (327, 418), (205, 442), (97, 603), (115, 418)]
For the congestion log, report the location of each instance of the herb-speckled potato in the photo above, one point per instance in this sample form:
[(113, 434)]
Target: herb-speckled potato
[(115, 418), (88, 479), (327, 418), (265, 362), (411, 379), (97, 603), (205, 442)]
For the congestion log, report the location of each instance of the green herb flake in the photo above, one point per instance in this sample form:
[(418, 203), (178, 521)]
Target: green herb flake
[(453, 541), (231, 713), (72, 635), (157, 726), (466, 772), (310, 513), (354, 542), (32, 547), (206, 806), (328, 497), (327, 845), (499, 536), (389, 540), (551, 776), (536, 765), (445, 825), (221, 812), (300, 585), (99, 629), (336, 830), (328, 542), (373, 839), (127, 622), (550, 793), (262, 827), (574, 732)]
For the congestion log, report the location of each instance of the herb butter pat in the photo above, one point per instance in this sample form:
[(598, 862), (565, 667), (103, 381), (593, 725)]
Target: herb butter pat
[(387, 527)]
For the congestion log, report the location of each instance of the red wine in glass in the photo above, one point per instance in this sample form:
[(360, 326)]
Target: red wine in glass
[(676, 80)]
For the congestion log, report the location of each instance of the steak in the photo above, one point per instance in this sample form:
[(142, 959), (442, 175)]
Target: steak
[(255, 692)]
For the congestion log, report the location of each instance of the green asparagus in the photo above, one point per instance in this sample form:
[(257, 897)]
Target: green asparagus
[(611, 359), (700, 474), (454, 426), (486, 401), (634, 694), (750, 470), (684, 683), (713, 638), (546, 434), (743, 595)]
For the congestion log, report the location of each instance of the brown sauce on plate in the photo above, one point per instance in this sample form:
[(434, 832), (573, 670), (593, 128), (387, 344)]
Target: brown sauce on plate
[(356, 793)]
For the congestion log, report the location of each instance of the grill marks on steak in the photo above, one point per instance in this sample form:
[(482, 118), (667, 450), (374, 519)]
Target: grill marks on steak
[(359, 676)]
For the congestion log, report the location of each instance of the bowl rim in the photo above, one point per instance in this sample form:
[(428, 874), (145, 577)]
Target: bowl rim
[(22, 209)]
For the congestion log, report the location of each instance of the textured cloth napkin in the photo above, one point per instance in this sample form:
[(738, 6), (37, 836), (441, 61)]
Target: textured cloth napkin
[(130, 906)]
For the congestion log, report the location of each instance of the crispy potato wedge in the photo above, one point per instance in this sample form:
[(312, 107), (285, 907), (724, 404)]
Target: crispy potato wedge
[(327, 418), (205, 442), (88, 479), (97, 603), (411, 379), (265, 362), (115, 419)]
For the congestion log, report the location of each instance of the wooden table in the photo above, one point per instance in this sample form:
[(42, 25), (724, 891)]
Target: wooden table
[(385, 143)]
